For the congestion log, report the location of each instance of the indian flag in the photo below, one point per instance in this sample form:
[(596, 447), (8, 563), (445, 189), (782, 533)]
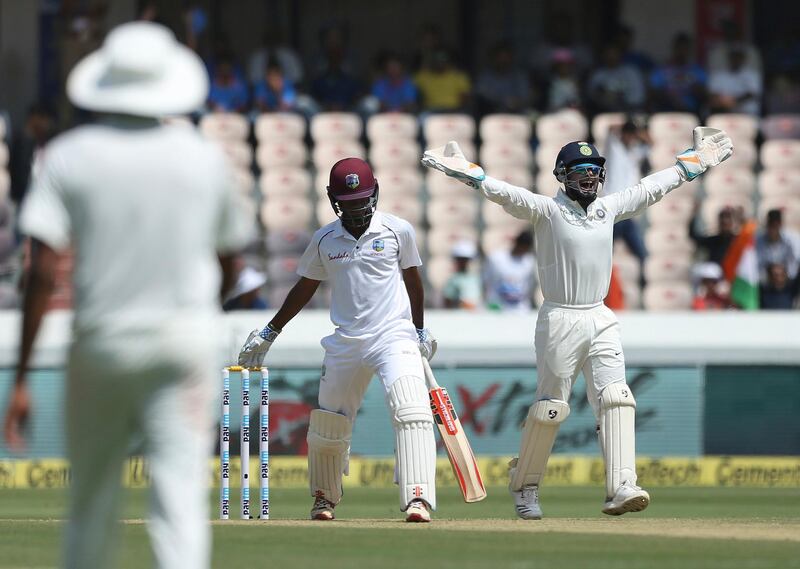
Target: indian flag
[(741, 268)]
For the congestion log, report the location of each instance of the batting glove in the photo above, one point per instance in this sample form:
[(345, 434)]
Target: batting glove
[(256, 346), (450, 160), (711, 147), (427, 343)]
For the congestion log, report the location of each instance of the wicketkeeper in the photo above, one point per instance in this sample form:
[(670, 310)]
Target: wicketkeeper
[(371, 260), (575, 331)]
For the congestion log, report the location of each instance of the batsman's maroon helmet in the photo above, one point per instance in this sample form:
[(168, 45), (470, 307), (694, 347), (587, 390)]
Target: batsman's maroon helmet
[(352, 179)]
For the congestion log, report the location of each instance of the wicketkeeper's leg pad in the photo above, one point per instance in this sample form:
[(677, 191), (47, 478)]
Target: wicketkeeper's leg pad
[(617, 435), (328, 440), (415, 444), (538, 435)]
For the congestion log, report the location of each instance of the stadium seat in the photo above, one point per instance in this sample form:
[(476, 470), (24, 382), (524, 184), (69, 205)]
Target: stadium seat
[(675, 209), (441, 240), (505, 128), (562, 127), (395, 153), (779, 182), (244, 180), (781, 154), (740, 127), (287, 241), (546, 184), (632, 295), (271, 127), (285, 153), (673, 127), (500, 237), (324, 212), (437, 270), (238, 152), (662, 154), (669, 267), (781, 127), (628, 268), (790, 208), (667, 296), (712, 205), (397, 182), (286, 213), (601, 124), (282, 269), (392, 126), (445, 212), (506, 154), (438, 129), (4, 155), (665, 240), (439, 185), (546, 156), (225, 126), (285, 181), (719, 181), (326, 154), (495, 216), (515, 176), (410, 210), (335, 126), (5, 185), (744, 156)]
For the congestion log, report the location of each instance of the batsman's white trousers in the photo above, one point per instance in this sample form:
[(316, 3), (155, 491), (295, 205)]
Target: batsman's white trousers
[(123, 396), (571, 339), (350, 363)]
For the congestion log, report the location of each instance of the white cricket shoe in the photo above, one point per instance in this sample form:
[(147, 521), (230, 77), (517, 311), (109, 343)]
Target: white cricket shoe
[(629, 498), (322, 509), (526, 499), (418, 512)]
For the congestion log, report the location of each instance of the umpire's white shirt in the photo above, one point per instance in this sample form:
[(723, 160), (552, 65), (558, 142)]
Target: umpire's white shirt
[(368, 293), (573, 246), (146, 208)]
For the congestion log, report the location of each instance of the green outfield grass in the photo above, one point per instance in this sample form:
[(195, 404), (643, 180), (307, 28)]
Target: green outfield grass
[(725, 528)]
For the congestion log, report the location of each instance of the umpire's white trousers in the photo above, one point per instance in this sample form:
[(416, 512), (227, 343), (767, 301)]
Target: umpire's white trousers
[(119, 395)]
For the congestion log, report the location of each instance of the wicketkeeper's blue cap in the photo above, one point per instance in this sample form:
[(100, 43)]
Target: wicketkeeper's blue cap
[(576, 152)]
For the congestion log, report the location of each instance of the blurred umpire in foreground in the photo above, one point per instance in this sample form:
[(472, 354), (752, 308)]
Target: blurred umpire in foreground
[(150, 212)]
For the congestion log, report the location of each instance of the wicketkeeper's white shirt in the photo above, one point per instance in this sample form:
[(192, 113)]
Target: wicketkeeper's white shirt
[(573, 246), (147, 209), (368, 293)]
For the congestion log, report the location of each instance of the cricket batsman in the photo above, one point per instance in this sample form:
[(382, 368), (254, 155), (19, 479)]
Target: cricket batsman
[(371, 260), (575, 331)]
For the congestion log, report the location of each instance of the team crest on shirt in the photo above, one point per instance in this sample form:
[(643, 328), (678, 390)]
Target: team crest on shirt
[(377, 245), (601, 213), (351, 181)]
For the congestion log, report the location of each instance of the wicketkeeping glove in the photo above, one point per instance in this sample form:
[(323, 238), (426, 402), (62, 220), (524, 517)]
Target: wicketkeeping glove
[(427, 343), (450, 160), (256, 346), (711, 147)]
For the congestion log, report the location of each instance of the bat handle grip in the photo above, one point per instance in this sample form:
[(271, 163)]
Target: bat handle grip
[(429, 379)]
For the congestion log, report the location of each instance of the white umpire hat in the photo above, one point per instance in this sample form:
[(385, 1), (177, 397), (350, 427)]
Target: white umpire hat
[(141, 70)]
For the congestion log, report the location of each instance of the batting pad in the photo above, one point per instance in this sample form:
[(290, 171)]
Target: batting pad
[(415, 444), (617, 435), (328, 448), (538, 436)]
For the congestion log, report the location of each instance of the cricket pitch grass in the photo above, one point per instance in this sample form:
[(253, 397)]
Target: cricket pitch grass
[(724, 528)]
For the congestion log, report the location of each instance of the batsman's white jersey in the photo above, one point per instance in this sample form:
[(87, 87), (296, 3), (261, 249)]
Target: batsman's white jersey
[(147, 209), (374, 335)]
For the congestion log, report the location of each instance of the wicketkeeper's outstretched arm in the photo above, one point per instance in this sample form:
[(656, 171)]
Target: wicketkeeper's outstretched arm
[(519, 202)]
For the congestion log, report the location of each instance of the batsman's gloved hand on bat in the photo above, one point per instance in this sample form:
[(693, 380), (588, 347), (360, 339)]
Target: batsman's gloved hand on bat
[(427, 343), (711, 147), (256, 346), (450, 160)]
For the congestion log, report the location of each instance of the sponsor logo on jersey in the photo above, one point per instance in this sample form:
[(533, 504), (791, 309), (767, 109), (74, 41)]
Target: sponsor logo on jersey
[(339, 256)]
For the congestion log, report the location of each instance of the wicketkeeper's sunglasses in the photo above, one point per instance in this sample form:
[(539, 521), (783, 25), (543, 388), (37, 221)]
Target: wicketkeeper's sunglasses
[(592, 170)]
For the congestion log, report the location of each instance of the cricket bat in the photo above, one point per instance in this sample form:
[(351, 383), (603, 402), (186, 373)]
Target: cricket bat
[(465, 467)]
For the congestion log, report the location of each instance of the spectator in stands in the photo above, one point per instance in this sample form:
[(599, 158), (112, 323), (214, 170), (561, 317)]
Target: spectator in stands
[(776, 245), (625, 152), (680, 84), (559, 36), (27, 146), (443, 87), (783, 94), (779, 291), (195, 22), (463, 288), (503, 87), (228, 92), (736, 89), (394, 89), (336, 88), (246, 294), (615, 86), (274, 92), (563, 87), (429, 43), (712, 292), (733, 38), (625, 39), (509, 276), (274, 49), (715, 246)]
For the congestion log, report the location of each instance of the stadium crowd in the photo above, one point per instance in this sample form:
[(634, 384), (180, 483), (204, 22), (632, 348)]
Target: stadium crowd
[(735, 76)]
